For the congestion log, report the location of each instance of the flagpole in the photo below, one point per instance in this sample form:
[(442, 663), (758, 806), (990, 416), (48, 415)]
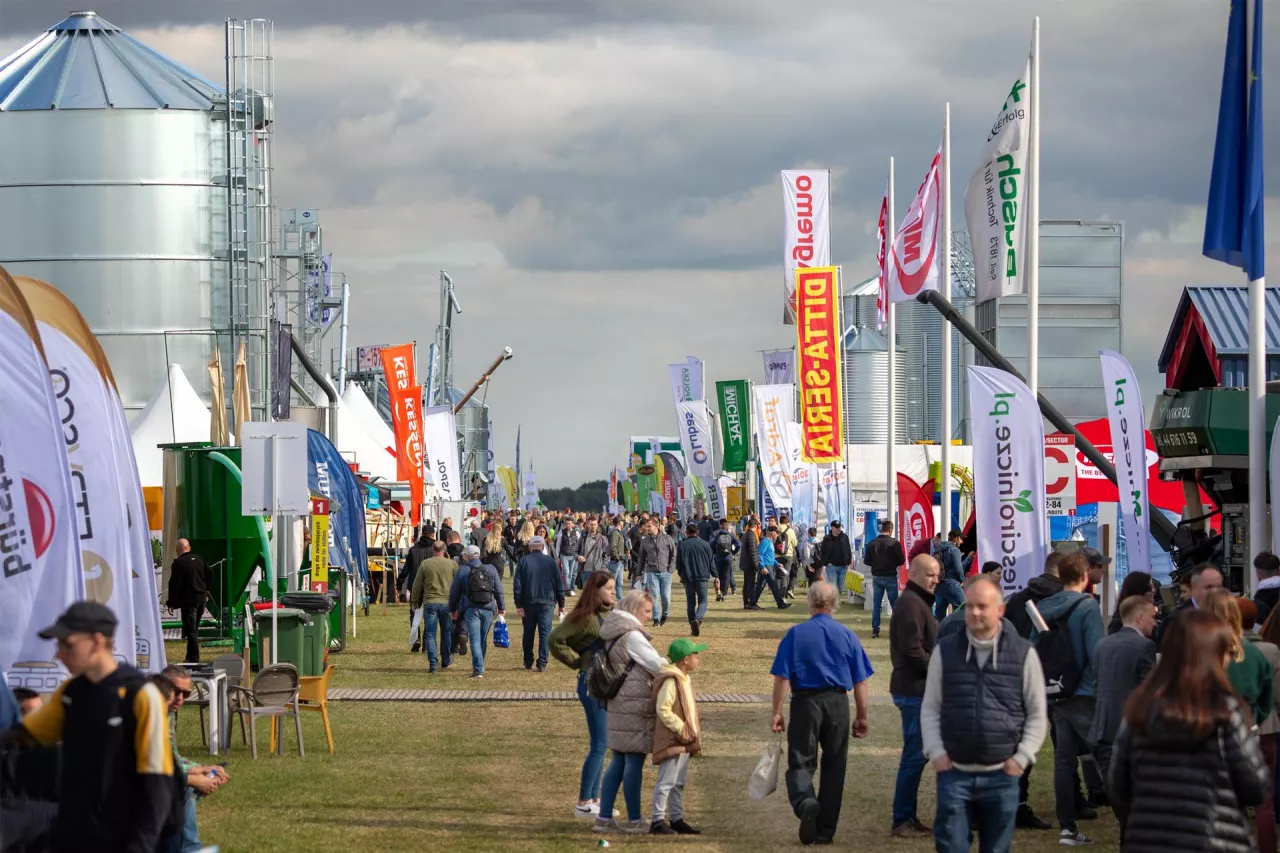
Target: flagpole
[(945, 516), (1259, 531), (1033, 220), (891, 325)]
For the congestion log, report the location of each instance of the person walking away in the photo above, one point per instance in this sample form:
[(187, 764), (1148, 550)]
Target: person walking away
[(912, 634), (493, 551), (819, 662), (617, 551), (785, 551), (476, 595), (769, 570), (706, 528), (950, 591), (677, 735), (807, 556), (836, 556), (593, 555), (189, 582), (982, 721), (117, 782), (1121, 662), (635, 535), (1267, 641), (631, 714), (522, 539), (885, 556), (568, 546), (1186, 766), (723, 546), (572, 641), (657, 561), (538, 590), (418, 554), (693, 565), (749, 562), (1266, 594), (1075, 613), (432, 587)]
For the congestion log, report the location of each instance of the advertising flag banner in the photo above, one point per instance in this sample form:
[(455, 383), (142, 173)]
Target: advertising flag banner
[(329, 475), (1275, 483), (914, 261), (1008, 476), (915, 518), (779, 367), (818, 343), (507, 481), (686, 380), (530, 490), (882, 241), (774, 409), (996, 195), (613, 490), (84, 391), (806, 228), (148, 632), (408, 404), (397, 367), (735, 503), (803, 505), (319, 544), (442, 451), (715, 500), (695, 437), (1060, 473), (40, 568), (629, 496), (1129, 453), (834, 481), (735, 423)]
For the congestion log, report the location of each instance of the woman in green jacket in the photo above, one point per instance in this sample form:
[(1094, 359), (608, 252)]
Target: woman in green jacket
[(571, 642), (1249, 672)]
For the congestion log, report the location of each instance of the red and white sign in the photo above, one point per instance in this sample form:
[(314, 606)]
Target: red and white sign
[(806, 228), (1060, 474), (1093, 487), (882, 288), (914, 261), (915, 519)]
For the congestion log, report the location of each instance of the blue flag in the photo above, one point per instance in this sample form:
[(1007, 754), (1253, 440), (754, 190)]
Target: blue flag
[(1233, 230)]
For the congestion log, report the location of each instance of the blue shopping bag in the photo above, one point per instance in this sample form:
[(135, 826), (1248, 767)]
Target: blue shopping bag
[(501, 638)]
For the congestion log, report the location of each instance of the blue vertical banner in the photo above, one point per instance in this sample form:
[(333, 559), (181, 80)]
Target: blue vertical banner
[(329, 475)]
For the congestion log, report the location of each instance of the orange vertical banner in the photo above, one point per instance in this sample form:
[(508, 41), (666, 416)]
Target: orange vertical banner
[(409, 447), (818, 341), (397, 367)]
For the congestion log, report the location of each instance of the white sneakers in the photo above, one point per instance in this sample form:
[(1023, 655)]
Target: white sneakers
[(590, 810)]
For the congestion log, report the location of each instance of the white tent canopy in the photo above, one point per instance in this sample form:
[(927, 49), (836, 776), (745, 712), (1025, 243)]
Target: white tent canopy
[(369, 452), (357, 403), (868, 464), (175, 413)]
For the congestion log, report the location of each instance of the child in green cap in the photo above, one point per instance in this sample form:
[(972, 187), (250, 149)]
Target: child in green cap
[(676, 736)]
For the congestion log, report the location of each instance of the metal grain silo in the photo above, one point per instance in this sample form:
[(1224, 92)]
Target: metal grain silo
[(866, 381), (110, 159)]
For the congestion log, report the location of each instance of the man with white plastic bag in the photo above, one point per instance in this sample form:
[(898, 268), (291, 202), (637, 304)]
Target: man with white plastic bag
[(763, 781), (818, 662)]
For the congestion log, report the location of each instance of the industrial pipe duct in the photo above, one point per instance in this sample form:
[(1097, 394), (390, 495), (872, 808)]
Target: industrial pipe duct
[(484, 377), (1161, 528), (325, 385)]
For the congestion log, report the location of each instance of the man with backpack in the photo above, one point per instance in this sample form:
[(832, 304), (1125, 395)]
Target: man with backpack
[(1066, 653), (476, 595), (723, 546)]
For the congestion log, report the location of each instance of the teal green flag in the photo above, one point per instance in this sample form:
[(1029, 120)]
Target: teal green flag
[(735, 423)]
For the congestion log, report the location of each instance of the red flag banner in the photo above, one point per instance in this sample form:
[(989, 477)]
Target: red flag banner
[(818, 344), (397, 367), (915, 519), (408, 405)]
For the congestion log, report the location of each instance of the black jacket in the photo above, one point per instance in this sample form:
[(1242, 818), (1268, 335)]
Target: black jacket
[(912, 632), (884, 555), (1037, 589), (836, 550), (693, 560), (1189, 795), (418, 554), (749, 558), (189, 581)]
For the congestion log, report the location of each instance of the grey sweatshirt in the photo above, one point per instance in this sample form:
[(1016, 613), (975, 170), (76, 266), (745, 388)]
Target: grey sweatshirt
[(1034, 730)]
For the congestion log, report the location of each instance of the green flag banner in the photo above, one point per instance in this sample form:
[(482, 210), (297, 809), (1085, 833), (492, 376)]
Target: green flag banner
[(629, 496), (735, 423)]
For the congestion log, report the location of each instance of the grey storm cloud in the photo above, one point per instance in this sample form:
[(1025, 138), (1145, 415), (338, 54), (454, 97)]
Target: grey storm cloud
[(600, 176)]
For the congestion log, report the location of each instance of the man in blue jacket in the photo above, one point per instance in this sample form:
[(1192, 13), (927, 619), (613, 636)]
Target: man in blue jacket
[(950, 591), (769, 569), (477, 594), (693, 565), (1076, 612), (538, 587)]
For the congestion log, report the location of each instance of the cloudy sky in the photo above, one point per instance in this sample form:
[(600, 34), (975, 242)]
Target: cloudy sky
[(600, 177)]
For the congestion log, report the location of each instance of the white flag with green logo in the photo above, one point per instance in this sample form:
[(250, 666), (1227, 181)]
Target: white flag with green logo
[(993, 202), (1008, 476), (1129, 453)]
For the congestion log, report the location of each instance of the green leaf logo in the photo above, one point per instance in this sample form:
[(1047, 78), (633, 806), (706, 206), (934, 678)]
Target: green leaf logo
[(1022, 503)]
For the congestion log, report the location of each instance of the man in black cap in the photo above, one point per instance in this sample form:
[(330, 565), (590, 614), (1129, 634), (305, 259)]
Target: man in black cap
[(189, 582), (836, 554), (117, 786)]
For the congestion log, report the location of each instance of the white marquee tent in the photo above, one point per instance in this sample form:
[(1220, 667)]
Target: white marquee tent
[(175, 413)]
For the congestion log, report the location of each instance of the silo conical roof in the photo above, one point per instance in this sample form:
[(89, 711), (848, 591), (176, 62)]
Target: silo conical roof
[(87, 63)]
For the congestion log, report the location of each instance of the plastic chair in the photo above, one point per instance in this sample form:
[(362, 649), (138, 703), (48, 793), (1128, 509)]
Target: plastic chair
[(233, 666), (313, 695), (274, 695)]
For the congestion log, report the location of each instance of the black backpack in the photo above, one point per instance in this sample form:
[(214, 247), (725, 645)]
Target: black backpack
[(781, 545), (724, 543), (479, 587), (1058, 657), (604, 677)]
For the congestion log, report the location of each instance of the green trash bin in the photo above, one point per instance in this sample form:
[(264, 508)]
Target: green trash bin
[(316, 632), (291, 646)]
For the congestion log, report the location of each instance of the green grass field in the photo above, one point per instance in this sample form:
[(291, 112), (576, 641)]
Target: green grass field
[(503, 776)]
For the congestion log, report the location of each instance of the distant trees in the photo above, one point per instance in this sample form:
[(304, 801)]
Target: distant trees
[(589, 497)]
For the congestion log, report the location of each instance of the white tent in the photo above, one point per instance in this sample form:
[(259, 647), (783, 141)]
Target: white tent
[(174, 414), (358, 404), (867, 465), (357, 445)]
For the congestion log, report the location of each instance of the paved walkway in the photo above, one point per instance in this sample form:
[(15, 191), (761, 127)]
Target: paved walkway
[(409, 694)]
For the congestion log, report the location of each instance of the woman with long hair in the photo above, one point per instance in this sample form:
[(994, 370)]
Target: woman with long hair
[(1249, 672), (1135, 584), (523, 537), (572, 641), (1186, 764), (494, 551), (1269, 645)]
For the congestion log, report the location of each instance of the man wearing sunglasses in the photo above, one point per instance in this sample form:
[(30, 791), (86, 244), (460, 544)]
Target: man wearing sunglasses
[(201, 779), (116, 783)]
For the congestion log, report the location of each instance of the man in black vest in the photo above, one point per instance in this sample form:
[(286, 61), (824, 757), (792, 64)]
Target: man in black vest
[(983, 720)]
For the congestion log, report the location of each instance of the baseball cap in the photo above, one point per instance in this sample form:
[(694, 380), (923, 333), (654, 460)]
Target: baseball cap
[(537, 540), (471, 551), (835, 523), (955, 533), (1095, 557), (682, 647), (83, 617)]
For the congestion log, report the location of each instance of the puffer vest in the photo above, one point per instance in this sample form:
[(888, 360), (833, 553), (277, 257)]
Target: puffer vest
[(982, 711)]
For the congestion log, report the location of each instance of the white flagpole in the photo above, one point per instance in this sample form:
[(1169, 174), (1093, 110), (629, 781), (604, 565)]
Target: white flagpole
[(890, 233), (945, 516), (1033, 220), (1258, 529)]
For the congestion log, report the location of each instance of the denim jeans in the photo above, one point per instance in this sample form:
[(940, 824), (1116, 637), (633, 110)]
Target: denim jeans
[(479, 619), (658, 584), (695, 597), (836, 574), (187, 839), (986, 801), (618, 567), (598, 731), (1071, 720), (879, 588), (537, 618), (770, 580), (433, 615), (724, 572), (627, 770), (948, 592), (911, 765), (569, 569)]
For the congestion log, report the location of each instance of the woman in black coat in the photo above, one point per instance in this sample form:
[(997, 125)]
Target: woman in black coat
[(1186, 764)]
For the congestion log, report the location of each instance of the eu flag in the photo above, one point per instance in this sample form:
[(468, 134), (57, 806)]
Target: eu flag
[(1233, 230)]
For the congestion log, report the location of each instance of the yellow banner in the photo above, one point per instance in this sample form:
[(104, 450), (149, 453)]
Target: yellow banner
[(737, 501), (319, 545)]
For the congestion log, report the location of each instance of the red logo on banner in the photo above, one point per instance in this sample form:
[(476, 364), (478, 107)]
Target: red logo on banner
[(915, 520), (818, 343)]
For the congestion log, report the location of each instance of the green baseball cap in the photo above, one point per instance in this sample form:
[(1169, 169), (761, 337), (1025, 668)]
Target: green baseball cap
[(682, 647)]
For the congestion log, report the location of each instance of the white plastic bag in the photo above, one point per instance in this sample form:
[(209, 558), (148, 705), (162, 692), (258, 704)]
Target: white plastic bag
[(764, 779), (416, 625)]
